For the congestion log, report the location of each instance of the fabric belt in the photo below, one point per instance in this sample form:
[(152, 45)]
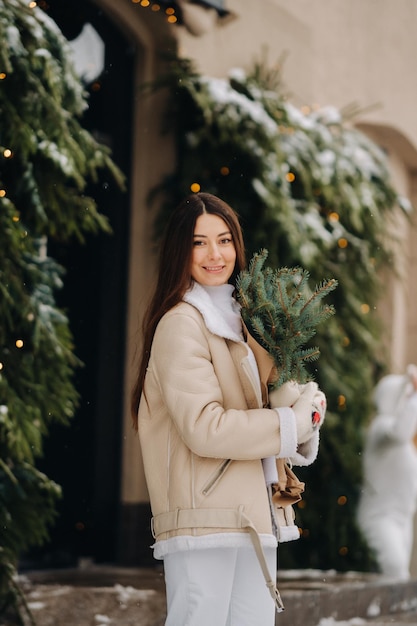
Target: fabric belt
[(218, 518)]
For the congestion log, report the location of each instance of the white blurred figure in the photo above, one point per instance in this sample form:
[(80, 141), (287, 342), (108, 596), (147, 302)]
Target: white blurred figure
[(389, 495)]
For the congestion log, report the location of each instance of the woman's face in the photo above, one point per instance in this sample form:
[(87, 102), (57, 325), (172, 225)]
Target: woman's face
[(214, 255)]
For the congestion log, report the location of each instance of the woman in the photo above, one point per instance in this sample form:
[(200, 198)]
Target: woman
[(207, 441)]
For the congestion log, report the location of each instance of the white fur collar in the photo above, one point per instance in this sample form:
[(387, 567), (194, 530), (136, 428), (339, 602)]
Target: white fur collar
[(217, 324)]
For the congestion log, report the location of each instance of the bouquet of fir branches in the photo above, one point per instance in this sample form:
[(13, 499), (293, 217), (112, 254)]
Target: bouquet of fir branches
[(282, 313)]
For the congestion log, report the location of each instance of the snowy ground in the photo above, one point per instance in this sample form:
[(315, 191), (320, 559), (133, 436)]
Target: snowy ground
[(66, 605), (119, 605), (94, 598)]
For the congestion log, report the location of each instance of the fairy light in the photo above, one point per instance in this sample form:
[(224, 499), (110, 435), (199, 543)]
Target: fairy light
[(342, 500), (342, 242), (1, 365), (224, 171), (7, 153), (32, 5), (343, 550), (341, 401), (16, 218), (195, 187), (3, 75), (290, 177), (365, 308), (2, 193), (19, 343), (333, 216), (155, 7)]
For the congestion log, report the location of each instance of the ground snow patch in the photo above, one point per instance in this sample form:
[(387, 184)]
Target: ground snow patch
[(330, 621), (130, 594), (374, 609), (36, 606)]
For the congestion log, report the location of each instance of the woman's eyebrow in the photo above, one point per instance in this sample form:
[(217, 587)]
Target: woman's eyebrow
[(227, 232)]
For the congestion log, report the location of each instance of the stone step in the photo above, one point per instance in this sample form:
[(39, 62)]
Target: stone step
[(311, 597), (315, 598)]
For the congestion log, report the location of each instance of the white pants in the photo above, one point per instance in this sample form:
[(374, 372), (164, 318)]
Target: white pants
[(218, 587)]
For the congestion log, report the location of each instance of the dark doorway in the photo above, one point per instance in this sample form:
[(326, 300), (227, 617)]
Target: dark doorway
[(85, 458)]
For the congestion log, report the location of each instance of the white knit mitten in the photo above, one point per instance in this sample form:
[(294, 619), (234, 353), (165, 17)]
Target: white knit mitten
[(319, 409), (285, 395), (303, 409)]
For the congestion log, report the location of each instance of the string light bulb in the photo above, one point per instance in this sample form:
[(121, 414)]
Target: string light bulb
[(195, 187), (341, 401)]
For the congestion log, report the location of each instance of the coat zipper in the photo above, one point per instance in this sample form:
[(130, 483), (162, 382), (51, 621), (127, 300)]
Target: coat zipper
[(216, 476)]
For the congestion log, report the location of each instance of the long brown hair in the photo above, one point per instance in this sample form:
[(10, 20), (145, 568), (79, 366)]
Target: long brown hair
[(174, 275)]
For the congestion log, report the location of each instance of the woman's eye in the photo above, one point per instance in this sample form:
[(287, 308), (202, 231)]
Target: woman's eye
[(198, 243), (226, 240)]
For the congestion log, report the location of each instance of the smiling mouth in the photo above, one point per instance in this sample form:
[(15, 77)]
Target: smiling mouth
[(218, 268)]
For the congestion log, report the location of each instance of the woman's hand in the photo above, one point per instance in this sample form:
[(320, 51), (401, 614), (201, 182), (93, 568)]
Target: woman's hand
[(285, 395), (308, 403), (319, 409)]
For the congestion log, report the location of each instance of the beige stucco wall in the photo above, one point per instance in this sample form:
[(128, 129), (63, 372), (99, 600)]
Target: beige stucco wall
[(337, 53)]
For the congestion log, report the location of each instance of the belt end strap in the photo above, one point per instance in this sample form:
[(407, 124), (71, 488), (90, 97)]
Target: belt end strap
[(276, 596), (270, 583)]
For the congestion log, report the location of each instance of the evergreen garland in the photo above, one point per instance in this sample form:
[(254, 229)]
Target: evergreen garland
[(46, 161), (282, 313)]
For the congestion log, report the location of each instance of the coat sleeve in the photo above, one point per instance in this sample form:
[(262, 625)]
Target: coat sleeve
[(190, 390)]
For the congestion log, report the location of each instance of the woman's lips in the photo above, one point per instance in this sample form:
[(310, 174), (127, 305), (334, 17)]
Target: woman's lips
[(218, 268)]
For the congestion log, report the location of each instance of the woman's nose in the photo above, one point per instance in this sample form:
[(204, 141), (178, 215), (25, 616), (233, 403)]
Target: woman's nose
[(214, 251)]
